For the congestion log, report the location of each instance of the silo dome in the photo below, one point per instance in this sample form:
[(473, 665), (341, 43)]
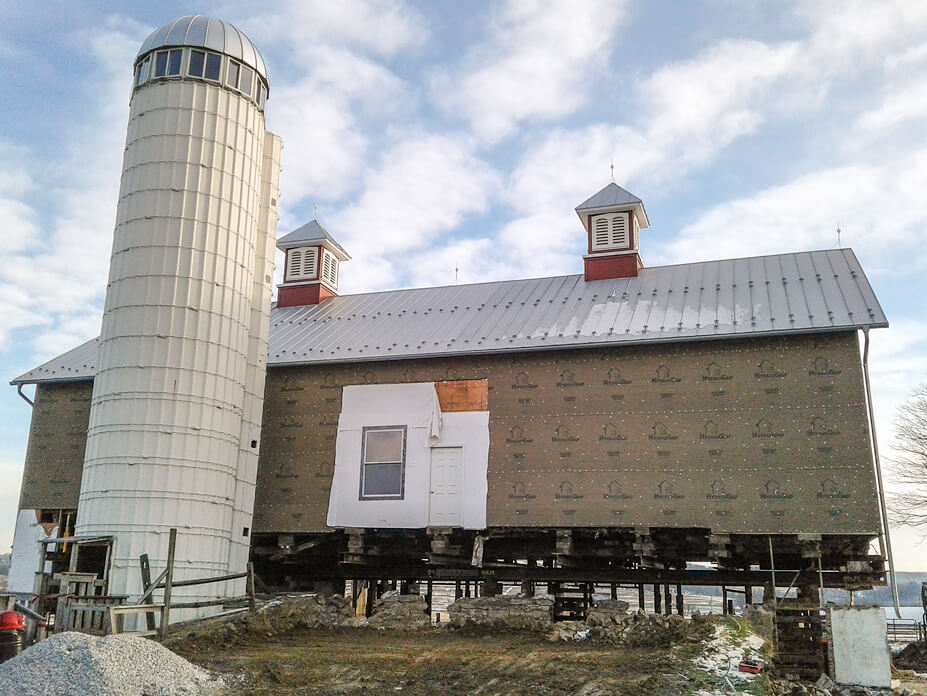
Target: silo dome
[(208, 33)]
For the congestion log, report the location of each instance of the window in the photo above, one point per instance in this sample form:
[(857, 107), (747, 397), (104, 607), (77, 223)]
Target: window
[(244, 84), (302, 263), (144, 70), (213, 63), (197, 62), (383, 459), (203, 65), (173, 61), (610, 231), (168, 62), (231, 78)]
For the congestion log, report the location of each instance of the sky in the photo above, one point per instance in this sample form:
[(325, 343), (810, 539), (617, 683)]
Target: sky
[(445, 139)]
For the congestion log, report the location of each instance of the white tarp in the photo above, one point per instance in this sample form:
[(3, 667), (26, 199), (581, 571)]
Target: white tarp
[(416, 407)]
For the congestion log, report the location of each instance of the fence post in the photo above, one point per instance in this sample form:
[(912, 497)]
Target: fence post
[(168, 581), (145, 567), (249, 586)]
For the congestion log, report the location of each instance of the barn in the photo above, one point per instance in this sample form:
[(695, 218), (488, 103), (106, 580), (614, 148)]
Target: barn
[(701, 423)]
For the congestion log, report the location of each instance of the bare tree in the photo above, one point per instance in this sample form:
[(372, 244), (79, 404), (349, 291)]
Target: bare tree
[(909, 468)]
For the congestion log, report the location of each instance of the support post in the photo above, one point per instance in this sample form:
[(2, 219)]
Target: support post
[(657, 608), (145, 567), (168, 582), (640, 596), (249, 587), (614, 590), (668, 600), (724, 603), (680, 606)]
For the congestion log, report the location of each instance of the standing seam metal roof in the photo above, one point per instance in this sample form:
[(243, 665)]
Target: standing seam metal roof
[(209, 33), (757, 296)]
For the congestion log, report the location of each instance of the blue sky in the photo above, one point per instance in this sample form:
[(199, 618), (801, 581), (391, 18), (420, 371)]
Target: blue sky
[(436, 135)]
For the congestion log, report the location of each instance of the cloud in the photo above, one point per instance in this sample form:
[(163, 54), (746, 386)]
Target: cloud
[(537, 64), (692, 109), (383, 27), (333, 79), (317, 117), (850, 33), (54, 284), (804, 212), (424, 187)]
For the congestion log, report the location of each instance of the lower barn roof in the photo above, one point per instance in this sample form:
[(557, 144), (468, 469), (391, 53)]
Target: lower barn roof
[(757, 296)]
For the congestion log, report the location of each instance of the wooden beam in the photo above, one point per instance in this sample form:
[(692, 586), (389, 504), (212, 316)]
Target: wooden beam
[(168, 582)]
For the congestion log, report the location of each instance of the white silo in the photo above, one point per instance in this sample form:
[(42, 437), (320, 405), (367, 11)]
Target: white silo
[(176, 414)]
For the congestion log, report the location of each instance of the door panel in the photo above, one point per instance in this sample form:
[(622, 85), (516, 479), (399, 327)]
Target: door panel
[(446, 484)]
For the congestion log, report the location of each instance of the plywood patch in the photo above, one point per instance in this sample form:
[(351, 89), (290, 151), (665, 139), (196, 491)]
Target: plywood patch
[(463, 395)]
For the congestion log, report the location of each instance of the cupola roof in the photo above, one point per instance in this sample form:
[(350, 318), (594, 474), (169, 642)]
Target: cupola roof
[(613, 197), (312, 233), (209, 33)]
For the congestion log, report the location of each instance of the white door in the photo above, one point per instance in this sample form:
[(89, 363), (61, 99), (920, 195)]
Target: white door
[(446, 485)]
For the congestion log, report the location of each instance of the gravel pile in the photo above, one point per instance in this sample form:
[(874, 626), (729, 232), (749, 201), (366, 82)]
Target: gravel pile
[(75, 664)]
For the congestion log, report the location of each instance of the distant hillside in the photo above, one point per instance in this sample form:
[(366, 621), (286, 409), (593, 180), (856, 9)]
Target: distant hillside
[(909, 592)]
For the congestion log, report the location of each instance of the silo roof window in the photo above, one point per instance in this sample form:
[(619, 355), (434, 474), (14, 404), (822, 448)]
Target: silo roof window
[(144, 70), (167, 63), (231, 77), (205, 65), (202, 65), (244, 82)]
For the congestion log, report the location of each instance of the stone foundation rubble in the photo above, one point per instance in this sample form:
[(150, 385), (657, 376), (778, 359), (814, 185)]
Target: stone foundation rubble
[(400, 612), (502, 613)]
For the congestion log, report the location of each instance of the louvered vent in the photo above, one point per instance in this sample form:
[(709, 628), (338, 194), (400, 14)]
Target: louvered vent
[(329, 269), (302, 263), (610, 231), (600, 233)]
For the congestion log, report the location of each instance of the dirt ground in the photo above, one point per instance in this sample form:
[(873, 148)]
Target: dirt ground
[(351, 661)]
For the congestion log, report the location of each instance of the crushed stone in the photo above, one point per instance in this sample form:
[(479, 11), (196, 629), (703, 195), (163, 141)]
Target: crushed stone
[(77, 664), (721, 657)]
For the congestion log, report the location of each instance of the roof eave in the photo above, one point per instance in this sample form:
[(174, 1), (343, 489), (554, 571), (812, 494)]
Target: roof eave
[(642, 219)]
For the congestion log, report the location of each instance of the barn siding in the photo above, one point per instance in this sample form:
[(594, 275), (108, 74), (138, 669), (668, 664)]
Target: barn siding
[(566, 464), (588, 448), (55, 452)]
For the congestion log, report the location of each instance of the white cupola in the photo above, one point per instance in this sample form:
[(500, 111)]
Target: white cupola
[(310, 270), (613, 219)]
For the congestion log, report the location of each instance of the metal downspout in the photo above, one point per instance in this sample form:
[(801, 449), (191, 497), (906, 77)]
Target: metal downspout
[(19, 390), (884, 538)]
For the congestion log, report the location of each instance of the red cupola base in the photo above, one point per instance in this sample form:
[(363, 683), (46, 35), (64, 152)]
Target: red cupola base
[(607, 266), (299, 295)]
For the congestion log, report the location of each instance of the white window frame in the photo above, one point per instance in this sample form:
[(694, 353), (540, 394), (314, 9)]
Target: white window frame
[(400, 493)]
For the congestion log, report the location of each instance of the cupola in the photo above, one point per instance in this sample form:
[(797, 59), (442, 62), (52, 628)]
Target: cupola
[(310, 270), (613, 219)]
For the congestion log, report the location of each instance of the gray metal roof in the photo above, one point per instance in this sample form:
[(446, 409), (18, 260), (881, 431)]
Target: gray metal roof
[(310, 232), (611, 195), (209, 33), (757, 296)]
